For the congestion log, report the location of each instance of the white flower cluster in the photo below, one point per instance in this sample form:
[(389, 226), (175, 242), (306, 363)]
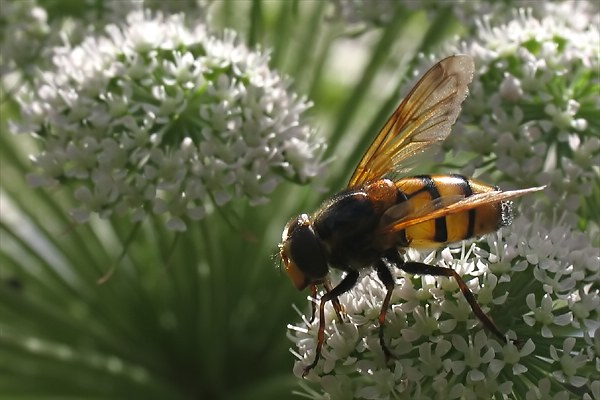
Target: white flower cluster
[(533, 106), (28, 30), (23, 30), (154, 117), (536, 283)]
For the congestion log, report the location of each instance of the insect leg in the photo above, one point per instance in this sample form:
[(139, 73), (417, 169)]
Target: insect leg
[(313, 304), (346, 284), (386, 278), (339, 309), (426, 269)]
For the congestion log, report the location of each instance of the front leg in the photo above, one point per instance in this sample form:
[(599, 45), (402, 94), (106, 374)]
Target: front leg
[(339, 310), (346, 284)]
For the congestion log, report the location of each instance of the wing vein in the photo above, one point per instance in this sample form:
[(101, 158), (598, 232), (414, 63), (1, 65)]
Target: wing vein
[(423, 118)]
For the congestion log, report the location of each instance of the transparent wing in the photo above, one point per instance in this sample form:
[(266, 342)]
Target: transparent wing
[(423, 118), (448, 205), (414, 208)]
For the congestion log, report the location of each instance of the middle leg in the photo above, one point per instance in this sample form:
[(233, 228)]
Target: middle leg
[(385, 276)]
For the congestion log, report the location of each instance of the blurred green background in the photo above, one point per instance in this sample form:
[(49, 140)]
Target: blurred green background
[(201, 314)]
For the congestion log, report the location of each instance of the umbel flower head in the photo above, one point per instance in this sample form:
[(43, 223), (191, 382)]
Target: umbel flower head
[(154, 117), (526, 280), (532, 110)]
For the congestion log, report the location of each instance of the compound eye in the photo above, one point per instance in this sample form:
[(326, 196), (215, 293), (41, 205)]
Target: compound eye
[(296, 275), (302, 253)]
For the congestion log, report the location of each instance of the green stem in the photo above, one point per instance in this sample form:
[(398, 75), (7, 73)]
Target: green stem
[(378, 57), (256, 24), (313, 58), (283, 30)]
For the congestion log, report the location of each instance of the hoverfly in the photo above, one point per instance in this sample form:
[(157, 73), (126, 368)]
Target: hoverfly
[(376, 216)]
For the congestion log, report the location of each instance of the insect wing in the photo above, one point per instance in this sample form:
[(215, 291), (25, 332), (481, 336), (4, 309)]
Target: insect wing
[(408, 209), (423, 118), (451, 205)]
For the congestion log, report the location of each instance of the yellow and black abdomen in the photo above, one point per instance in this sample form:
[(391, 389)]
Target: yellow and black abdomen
[(423, 191)]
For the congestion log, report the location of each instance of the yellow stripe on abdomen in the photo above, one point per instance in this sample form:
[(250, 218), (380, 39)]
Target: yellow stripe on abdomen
[(420, 191)]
